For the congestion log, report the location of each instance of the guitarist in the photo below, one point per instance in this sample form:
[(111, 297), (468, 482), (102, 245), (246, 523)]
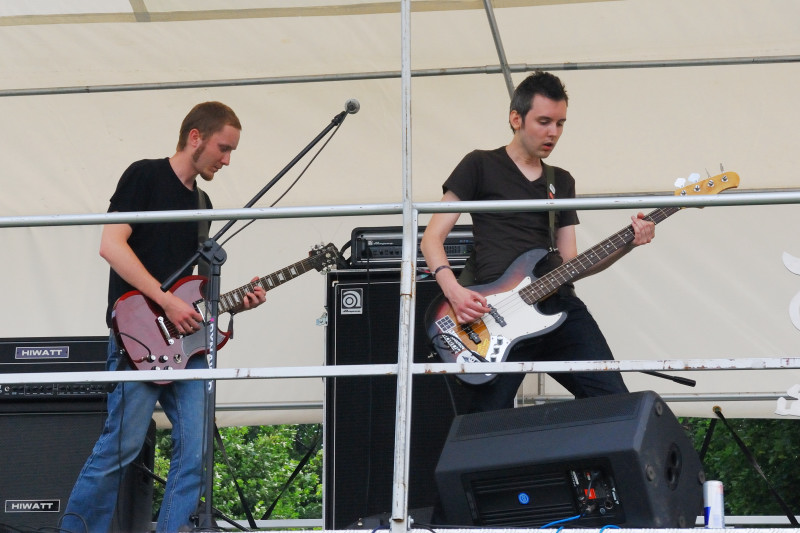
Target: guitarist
[(140, 255), (517, 171)]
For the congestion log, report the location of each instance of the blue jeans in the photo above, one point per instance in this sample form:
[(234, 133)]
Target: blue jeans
[(130, 408)]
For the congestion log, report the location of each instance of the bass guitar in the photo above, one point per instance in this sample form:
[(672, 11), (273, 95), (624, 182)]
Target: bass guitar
[(513, 298), (152, 342)]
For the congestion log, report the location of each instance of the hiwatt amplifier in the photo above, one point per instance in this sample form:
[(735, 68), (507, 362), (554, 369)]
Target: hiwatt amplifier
[(52, 354), (383, 246)]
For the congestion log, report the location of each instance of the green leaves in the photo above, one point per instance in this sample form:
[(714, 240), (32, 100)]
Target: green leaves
[(262, 459), (775, 443)]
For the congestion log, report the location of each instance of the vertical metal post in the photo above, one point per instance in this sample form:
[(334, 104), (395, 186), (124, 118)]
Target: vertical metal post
[(501, 56), (405, 344)]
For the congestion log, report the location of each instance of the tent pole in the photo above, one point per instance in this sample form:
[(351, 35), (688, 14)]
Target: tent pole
[(498, 43)]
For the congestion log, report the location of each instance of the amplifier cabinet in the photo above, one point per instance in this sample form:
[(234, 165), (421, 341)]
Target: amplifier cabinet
[(363, 310), (52, 354), (382, 247), (42, 450)]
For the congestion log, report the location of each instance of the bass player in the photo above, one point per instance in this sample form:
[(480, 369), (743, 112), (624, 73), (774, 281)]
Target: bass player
[(517, 171)]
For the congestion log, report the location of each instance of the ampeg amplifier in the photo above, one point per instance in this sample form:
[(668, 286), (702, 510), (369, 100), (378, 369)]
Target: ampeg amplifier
[(52, 354), (383, 246)]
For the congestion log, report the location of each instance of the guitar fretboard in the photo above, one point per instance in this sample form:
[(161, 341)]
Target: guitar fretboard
[(550, 282), (232, 300)]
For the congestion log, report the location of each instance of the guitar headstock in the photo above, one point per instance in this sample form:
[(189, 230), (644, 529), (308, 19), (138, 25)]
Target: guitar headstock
[(325, 257), (713, 185)]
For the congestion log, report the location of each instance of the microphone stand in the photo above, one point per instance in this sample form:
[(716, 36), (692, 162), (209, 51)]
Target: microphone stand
[(677, 379), (215, 256)]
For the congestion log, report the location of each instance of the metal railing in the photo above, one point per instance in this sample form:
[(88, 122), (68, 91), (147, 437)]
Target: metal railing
[(405, 367)]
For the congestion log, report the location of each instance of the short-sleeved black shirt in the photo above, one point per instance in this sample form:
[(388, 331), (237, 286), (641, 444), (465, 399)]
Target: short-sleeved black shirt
[(501, 237), (162, 247)]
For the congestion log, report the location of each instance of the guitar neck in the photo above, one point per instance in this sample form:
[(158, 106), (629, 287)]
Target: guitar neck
[(580, 264), (233, 299)]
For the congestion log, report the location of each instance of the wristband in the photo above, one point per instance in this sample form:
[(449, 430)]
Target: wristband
[(439, 269)]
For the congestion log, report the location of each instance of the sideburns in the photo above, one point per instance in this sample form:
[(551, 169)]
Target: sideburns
[(198, 151)]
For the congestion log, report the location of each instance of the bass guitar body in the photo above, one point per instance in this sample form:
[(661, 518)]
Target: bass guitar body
[(490, 338)]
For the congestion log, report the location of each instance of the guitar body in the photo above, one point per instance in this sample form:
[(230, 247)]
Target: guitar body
[(150, 340), (492, 336)]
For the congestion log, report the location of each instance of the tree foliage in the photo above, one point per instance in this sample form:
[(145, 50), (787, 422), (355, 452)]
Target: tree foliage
[(775, 444), (262, 459)]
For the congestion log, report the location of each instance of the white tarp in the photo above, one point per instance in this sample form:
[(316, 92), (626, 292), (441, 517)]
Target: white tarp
[(713, 284)]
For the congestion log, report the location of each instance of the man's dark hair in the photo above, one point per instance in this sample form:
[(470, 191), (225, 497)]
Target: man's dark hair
[(208, 118), (541, 83)]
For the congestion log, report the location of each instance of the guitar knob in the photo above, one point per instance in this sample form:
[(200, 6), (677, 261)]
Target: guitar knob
[(151, 358), (163, 359)]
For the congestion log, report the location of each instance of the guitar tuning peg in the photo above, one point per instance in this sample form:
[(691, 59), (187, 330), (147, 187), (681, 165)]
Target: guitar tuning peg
[(680, 183), (694, 177)]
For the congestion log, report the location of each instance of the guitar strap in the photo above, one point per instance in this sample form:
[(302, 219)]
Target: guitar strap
[(550, 178), (467, 276), (202, 233)]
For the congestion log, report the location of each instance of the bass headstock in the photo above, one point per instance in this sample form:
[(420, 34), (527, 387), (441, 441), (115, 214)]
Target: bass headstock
[(712, 185)]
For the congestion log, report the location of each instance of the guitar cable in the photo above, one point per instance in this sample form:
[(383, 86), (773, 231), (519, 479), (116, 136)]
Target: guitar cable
[(137, 341)]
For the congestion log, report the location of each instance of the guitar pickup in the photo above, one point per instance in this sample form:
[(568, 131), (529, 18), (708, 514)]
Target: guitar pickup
[(497, 316), (162, 326), (200, 307), (474, 337)]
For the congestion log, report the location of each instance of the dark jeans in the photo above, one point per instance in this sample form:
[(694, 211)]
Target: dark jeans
[(578, 339)]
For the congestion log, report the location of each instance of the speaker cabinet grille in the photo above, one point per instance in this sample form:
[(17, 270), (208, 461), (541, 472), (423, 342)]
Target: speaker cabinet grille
[(363, 311), (42, 451)]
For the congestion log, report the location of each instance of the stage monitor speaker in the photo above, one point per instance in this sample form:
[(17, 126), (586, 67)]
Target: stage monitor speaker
[(363, 312), (43, 447), (619, 460)]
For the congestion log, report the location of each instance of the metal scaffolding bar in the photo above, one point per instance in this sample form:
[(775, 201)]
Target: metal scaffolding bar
[(498, 44), (595, 203), (405, 337), (393, 74), (630, 365)]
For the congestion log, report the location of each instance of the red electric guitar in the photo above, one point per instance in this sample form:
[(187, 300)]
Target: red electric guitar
[(152, 342), (513, 297)]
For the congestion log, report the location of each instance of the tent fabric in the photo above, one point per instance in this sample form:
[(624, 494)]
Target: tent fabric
[(85, 92)]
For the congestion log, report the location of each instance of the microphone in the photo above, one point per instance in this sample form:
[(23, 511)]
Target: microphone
[(352, 106)]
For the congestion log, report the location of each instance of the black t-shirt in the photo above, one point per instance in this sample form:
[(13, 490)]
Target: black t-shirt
[(501, 237), (162, 247)]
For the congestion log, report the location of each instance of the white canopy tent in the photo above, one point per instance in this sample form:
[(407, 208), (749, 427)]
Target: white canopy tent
[(658, 89)]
